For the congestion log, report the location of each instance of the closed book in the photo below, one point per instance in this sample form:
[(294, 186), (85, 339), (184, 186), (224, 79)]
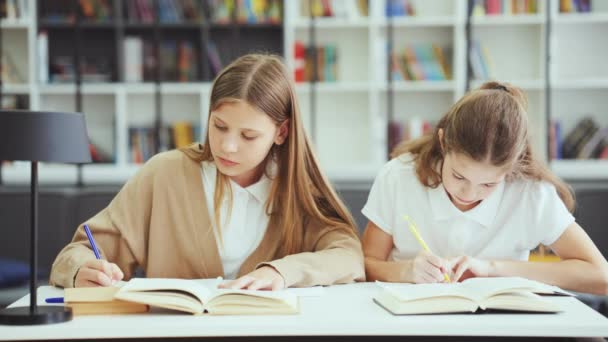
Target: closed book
[(99, 301)]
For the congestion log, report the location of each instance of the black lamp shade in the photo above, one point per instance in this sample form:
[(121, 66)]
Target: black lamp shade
[(43, 136)]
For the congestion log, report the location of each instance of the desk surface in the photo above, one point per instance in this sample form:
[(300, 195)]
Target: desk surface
[(343, 310)]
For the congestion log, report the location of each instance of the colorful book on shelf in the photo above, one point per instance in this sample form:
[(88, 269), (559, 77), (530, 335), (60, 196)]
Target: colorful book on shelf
[(413, 64), (299, 61), (575, 6), (594, 147), (347, 9), (399, 8), (326, 57), (577, 138), (215, 60), (472, 295)]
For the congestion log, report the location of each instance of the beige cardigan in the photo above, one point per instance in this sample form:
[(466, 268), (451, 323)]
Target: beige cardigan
[(159, 220)]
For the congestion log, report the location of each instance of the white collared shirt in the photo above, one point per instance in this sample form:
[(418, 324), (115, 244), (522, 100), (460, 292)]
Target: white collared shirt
[(514, 219), (244, 230)]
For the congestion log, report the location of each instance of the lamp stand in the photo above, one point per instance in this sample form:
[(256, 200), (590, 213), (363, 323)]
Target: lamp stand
[(34, 314)]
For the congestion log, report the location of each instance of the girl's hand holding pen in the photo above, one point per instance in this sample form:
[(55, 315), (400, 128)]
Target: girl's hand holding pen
[(429, 268), (97, 272)]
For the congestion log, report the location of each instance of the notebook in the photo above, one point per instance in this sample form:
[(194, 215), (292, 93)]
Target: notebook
[(471, 295), (196, 297)]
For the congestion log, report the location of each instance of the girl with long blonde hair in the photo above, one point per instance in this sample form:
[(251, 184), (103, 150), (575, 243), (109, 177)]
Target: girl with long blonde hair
[(249, 204)]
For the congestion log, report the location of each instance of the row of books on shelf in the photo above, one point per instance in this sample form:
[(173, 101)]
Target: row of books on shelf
[(504, 7), (169, 11), (421, 62), (62, 11), (326, 62), (14, 9), (142, 140), (218, 11), (346, 9), (178, 59), (399, 8), (480, 61), (587, 140), (10, 102), (575, 6), (402, 130)]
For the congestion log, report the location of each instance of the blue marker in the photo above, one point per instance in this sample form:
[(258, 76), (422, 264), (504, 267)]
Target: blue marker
[(92, 242), (54, 300)]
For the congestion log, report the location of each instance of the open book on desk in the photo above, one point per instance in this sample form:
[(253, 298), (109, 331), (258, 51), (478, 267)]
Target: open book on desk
[(471, 295), (194, 297)]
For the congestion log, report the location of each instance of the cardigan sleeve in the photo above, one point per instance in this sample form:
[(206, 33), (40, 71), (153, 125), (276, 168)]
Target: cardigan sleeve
[(332, 255), (120, 231)]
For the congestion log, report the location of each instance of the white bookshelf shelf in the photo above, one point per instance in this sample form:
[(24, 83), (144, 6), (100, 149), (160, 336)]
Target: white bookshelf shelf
[(581, 169), (334, 87), (19, 173), (422, 21), (14, 24), (17, 89), (333, 23), (108, 173), (70, 89), (167, 88), (408, 86), (509, 20), (582, 18), (590, 83)]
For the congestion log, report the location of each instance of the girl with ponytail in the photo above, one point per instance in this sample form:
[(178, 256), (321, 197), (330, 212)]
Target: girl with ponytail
[(481, 199)]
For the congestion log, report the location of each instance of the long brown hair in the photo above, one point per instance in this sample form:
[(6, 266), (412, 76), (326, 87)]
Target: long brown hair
[(299, 191), (486, 124)]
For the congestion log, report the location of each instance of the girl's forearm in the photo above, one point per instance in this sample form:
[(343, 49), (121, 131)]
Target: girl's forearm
[(390, 271), (575, 275)]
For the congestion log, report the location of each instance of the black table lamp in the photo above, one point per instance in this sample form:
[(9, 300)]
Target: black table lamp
[(48, 137)]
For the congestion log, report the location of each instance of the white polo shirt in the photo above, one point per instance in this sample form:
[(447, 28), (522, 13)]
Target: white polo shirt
[(514, 219), (244, 231)]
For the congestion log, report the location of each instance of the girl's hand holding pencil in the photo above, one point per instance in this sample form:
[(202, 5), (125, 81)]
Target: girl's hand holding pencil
[(427, 267)]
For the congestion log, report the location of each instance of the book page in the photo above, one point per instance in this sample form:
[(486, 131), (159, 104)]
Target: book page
[(252, 302), (412, 292), (519, 301), (476, 289), (178, 294), (487, 287)]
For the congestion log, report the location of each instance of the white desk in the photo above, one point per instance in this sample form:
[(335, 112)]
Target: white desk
[(344, 310)]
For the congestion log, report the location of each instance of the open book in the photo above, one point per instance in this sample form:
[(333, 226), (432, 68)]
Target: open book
[(195, 297), (471, 295)]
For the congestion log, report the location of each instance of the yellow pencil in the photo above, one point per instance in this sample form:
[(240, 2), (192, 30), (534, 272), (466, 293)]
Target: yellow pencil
[(414, 231)]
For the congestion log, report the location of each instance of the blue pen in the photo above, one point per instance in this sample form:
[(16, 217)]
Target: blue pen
[(92, 242), (54, 300)]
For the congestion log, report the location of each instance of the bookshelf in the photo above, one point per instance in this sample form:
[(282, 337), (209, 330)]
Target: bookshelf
[(350, 115)]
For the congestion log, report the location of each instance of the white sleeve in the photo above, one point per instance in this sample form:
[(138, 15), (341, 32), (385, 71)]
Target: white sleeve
[(380, 206), (551, 216)]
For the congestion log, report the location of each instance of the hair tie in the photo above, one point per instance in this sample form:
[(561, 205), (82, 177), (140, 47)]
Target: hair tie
[(502, 87)]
